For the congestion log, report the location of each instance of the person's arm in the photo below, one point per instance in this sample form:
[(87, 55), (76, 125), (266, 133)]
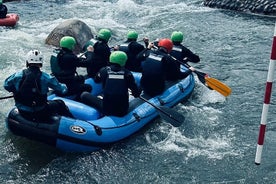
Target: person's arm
[(85, 62), (146, 41), (11, 84), (190, 56), (53, 83), (143, 54), (100, 75), (132, 85)]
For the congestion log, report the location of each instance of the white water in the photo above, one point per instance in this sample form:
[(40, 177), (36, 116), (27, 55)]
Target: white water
[(217, 142)]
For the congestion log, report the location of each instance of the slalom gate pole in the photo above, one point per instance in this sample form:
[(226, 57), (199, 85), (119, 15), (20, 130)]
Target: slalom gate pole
[(266, 103)]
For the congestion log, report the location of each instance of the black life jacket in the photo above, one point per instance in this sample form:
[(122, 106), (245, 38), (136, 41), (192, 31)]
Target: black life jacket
[(153, 65), (115, 101), (124, 47), (153, 75), (177, 52), (29, 92), (115, 83), (131, 57), (58, 71)]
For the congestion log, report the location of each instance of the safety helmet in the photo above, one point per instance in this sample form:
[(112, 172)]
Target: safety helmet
[(104, 34), (177, 36), (68, 42), (166, 43), (34, 57), (118, 57), (132, 35)]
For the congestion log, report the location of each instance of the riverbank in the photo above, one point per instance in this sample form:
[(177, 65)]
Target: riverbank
[(265, 7)]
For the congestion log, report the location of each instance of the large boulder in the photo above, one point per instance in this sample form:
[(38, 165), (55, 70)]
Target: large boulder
[(75, 28)]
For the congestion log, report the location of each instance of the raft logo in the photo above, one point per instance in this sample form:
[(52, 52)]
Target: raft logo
[(77, 129)]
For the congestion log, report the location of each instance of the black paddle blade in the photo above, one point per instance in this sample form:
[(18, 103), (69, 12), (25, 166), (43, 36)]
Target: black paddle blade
[(171, 116), (201, 76)]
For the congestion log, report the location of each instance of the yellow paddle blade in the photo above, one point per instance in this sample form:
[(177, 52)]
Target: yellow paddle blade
[(218, 86)]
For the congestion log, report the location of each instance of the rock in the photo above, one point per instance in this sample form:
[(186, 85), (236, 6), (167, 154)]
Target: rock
[(75, 28)]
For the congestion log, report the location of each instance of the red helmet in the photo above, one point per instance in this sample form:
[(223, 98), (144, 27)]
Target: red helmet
[(166, 43)]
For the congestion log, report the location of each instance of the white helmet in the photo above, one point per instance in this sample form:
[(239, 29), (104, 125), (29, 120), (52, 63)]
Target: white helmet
[(35, 57)]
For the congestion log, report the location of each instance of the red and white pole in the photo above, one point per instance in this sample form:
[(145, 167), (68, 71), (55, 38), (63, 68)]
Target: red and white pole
[(266, 103)]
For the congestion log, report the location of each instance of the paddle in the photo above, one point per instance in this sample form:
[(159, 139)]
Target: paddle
[(210, 82), (6, 97), (169, 115)]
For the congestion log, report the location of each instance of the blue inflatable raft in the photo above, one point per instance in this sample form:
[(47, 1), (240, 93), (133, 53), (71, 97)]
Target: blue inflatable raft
[(89, 131)]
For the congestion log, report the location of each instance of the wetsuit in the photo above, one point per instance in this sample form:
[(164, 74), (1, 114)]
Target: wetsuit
[(30, 88), (132, 49)]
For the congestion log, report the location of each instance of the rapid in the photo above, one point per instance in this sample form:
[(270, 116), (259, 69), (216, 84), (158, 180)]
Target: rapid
[(216, 143)]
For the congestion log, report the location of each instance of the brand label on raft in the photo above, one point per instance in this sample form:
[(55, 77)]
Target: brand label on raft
[(77, 129)]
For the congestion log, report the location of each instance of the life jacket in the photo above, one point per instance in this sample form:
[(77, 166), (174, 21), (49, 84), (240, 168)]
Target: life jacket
[(131, 58), (153, 75), (55, 68), (153, 65), (29, 92), (115, 101), (177, 52), (124, 47), (66, 74), (115, 83)]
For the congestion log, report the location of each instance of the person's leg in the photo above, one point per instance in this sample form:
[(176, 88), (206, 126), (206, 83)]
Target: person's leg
[(58, 107), (92, 101)]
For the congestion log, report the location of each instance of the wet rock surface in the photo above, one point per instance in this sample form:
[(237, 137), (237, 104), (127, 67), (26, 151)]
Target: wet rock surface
[(265, 7), (75, 28)]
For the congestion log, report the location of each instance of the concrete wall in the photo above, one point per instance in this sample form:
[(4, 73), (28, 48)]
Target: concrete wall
[(266, 7)]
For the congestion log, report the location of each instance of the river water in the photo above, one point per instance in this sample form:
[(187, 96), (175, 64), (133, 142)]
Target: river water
[(216, 143)]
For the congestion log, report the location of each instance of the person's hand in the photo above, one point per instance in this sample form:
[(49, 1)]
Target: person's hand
[(192, 68), (151, 45), (116, 47), (90, 48), (146, 39)]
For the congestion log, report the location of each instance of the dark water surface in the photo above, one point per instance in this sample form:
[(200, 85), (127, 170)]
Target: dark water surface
[(217, 142)]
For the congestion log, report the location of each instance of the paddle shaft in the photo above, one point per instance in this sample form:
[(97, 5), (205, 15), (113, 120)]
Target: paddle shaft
[(156, 107), (6, 97), (210, 82), (175, 121)]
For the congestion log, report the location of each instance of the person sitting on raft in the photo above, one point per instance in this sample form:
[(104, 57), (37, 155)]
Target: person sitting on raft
[(116, 81), (158, 67), (3, 10), (30, 88), (66, 67)]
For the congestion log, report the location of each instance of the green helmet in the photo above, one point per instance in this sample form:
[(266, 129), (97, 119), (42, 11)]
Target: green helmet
[(1, 1), (177, 36), (132, 35), (67, 42), (118, 57), (104, 34)]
